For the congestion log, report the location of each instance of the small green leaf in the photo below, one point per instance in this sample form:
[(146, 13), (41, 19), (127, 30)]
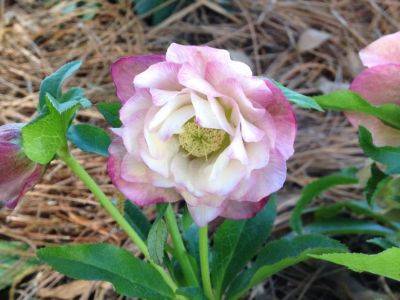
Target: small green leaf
[(345, 100), (386, 263), (389, 156), (280, 254), (156, 240), (89, 138), (110, 112), (298, 99), (314, 189), (386, 242), (52, 84), (137, 219), (44, 136), (237, 242), (130, 276), (377, 176), (341, 226)]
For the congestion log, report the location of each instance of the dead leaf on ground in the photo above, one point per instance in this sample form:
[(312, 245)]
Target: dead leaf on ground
[(312, 39)]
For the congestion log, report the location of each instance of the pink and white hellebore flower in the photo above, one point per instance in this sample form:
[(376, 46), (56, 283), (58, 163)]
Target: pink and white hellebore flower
[(17, 173), (198, 126), (379, 84)]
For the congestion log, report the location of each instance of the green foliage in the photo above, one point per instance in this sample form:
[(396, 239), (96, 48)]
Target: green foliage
[(89, 138), (45, 135), (52, 84), (136, 218), (155, 9), (314, 189), (280, 254), (110, 112), (352, 102), (377, 177), (389, 156), (386, 242), (299, 99), (130, 276), (156, 240), (237, 242), (14, 262), (386, 263), (192, 293)]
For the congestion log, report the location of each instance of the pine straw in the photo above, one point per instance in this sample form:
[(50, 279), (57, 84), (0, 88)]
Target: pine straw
[(36, 39)]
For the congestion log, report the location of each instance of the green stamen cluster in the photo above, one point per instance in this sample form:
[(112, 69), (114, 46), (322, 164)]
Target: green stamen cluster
[(199, 141)]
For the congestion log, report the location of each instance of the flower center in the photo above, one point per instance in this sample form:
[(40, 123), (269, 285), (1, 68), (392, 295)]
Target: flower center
[(199, 141)]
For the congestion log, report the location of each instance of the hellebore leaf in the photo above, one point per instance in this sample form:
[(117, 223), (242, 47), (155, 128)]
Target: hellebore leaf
[(385, 263), (314, 189), (377, 176), (156, 240), (237, 242), (345, 100), (299, 99), (130, 276), (137, 219), (89, 138), (192, 293), (52, 84), (280, 254), (110, 112)]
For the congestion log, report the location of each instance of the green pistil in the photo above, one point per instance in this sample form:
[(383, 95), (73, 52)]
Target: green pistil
[(199, 141)]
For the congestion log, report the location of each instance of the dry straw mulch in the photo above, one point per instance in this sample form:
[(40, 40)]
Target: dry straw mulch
[(310, 46)]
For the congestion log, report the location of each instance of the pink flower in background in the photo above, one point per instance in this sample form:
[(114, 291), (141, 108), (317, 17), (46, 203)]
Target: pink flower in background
[(17, 173), (198, 126), (379, 84)]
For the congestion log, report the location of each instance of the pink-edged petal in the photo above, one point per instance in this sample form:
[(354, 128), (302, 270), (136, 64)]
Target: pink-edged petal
[(192, 78), (284, 120), (139, 193), (163, 75), (380, 84), (262, 182), (241, 209), (385, 50), (188, 54), (124, 70), (161, 97), (141, 100), (204, 114), (203, 214), (250, 132)]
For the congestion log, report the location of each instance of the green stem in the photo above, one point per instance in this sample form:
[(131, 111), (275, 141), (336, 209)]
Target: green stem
[(205, 271), (80, 172), (180, 250)]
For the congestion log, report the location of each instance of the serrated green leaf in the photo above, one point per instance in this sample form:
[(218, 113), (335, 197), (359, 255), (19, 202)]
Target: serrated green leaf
[(299, 99), (237, 242), (280, 254), (130, 276), (52, 84), (377, 176), (389, 156), (156, 240), (386, 263), (110, 112), (314, 189), (44, 136), (346, 100), (137, 219), (89, 138), (341, 226)]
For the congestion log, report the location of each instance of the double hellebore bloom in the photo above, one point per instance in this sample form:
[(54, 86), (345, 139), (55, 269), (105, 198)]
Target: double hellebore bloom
[(379, 84), (17, 173), (198, 126)]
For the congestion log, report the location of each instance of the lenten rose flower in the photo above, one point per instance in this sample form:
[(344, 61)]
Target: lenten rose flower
[(198, 126), (379, 84), (17, 173)]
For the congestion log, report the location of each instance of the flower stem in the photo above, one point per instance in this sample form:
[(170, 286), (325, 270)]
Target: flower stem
[(180, 251), (80, 172), (205, 271)]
